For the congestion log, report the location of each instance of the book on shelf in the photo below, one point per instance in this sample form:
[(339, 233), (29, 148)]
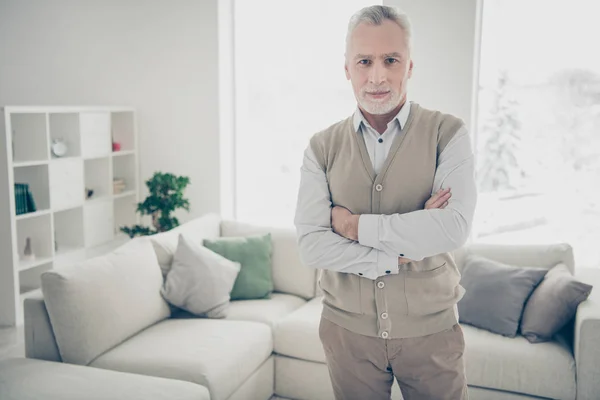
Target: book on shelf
[(118, 185), (24, 201)]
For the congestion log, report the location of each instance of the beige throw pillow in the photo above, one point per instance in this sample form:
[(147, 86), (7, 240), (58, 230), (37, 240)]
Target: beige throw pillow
[(200, 281)]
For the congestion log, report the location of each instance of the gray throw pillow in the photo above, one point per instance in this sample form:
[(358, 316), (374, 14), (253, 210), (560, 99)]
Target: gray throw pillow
[(552, 304), (200, 280), (495, 294)]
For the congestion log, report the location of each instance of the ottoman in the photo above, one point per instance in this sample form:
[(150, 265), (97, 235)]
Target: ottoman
[(25, 379)]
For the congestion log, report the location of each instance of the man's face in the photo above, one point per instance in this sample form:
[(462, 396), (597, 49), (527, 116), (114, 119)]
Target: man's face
[(378, 65)]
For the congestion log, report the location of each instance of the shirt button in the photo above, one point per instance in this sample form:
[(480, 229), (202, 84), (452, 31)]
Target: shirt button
[(380, 284), (384, 335), (379, 187), (384, 315), (380, 140), (401, 255)]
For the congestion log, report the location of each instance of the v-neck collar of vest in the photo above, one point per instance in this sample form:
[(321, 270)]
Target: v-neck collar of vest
[(396, 144)]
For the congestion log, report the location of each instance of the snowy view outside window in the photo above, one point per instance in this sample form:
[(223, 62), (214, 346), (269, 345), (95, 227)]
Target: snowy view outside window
[(538, 135)]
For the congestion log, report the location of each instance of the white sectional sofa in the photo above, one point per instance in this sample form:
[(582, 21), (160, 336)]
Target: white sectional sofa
[(270, 348)]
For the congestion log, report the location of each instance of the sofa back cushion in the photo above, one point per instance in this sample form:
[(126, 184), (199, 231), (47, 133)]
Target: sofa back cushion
[(289, 274), (207, 226), (532, 255), (101, 302)]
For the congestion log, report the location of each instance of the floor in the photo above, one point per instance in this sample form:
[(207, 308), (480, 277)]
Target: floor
[(12, 342)]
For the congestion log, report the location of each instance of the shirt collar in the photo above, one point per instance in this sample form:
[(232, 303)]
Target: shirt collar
[(401, 117)]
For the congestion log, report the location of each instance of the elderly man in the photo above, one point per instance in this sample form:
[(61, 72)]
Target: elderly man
[(385, 196)]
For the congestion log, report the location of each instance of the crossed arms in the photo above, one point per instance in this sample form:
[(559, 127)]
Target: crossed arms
[(371, 244)]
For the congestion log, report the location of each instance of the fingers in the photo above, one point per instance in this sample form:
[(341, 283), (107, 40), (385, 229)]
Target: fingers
[(439, 198)]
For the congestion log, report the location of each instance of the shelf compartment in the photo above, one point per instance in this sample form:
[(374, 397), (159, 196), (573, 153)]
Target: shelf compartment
[(98, 222), (123, 130), (29, 137), (97, 178), (68, 231), (29, 279), (95, 135), (36, 177), (125, 212), (39, 230), (124, 173), (66, 183), (65, 127)]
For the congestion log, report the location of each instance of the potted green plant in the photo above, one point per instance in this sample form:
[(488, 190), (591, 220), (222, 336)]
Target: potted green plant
[(166, 196)]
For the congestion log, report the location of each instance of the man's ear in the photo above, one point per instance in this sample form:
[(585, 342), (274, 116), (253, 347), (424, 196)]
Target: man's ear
[(346, 71), (410, 69)]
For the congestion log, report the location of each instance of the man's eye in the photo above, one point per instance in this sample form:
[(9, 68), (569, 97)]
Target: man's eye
[(391, 60), (364, 62)]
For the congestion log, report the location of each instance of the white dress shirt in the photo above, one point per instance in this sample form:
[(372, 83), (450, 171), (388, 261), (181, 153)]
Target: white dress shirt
[(382, 238)]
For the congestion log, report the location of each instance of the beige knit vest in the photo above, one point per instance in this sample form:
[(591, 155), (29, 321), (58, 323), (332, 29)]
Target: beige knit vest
[(421, 299)]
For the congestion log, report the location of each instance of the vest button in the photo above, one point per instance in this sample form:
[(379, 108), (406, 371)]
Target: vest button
[(379, 187), (384, 315), (384, 335), (380, 285)]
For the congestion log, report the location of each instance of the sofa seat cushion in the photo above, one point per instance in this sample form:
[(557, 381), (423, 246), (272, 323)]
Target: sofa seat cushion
[(268, 311), (217, 354), (513, 364), (297, 335), (28, 379)]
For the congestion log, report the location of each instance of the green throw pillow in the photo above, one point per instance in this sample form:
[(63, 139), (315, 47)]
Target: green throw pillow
[(255, 280)]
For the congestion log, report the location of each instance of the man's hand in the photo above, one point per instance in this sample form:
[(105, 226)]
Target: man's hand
[(438, 200), (344, 223)]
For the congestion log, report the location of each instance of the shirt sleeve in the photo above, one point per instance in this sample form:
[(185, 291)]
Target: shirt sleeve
[(425, 233), (319, 246)]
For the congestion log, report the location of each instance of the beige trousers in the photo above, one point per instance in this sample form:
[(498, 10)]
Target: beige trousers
[(427, 368)]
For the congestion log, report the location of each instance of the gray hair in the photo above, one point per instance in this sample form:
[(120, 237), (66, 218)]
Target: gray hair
[(375, 15)]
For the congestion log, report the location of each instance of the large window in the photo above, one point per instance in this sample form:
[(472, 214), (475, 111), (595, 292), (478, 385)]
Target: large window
[(538, 136), (289, 84), (538, 123)]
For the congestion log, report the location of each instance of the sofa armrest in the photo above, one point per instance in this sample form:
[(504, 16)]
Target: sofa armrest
[(587, 338), (39, 336)]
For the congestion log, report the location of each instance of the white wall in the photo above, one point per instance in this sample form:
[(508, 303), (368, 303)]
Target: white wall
[(444, 53), (158, 56)]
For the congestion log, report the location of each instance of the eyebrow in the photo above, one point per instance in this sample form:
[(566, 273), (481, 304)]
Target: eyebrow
[(370, 57)]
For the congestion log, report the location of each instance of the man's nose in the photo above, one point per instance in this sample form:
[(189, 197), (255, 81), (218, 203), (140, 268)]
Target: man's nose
[(377, 75)]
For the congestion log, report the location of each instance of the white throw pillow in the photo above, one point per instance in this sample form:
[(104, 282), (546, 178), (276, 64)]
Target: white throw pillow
[(101, 302), (165, 244), (200, 281)]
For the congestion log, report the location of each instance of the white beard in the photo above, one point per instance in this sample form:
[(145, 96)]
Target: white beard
[(377, 107)]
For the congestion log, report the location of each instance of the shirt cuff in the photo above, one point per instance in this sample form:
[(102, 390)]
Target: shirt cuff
[(368, 230), (386, 264)]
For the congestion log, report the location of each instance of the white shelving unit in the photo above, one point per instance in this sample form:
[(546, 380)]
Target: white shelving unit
[(67, 226)]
